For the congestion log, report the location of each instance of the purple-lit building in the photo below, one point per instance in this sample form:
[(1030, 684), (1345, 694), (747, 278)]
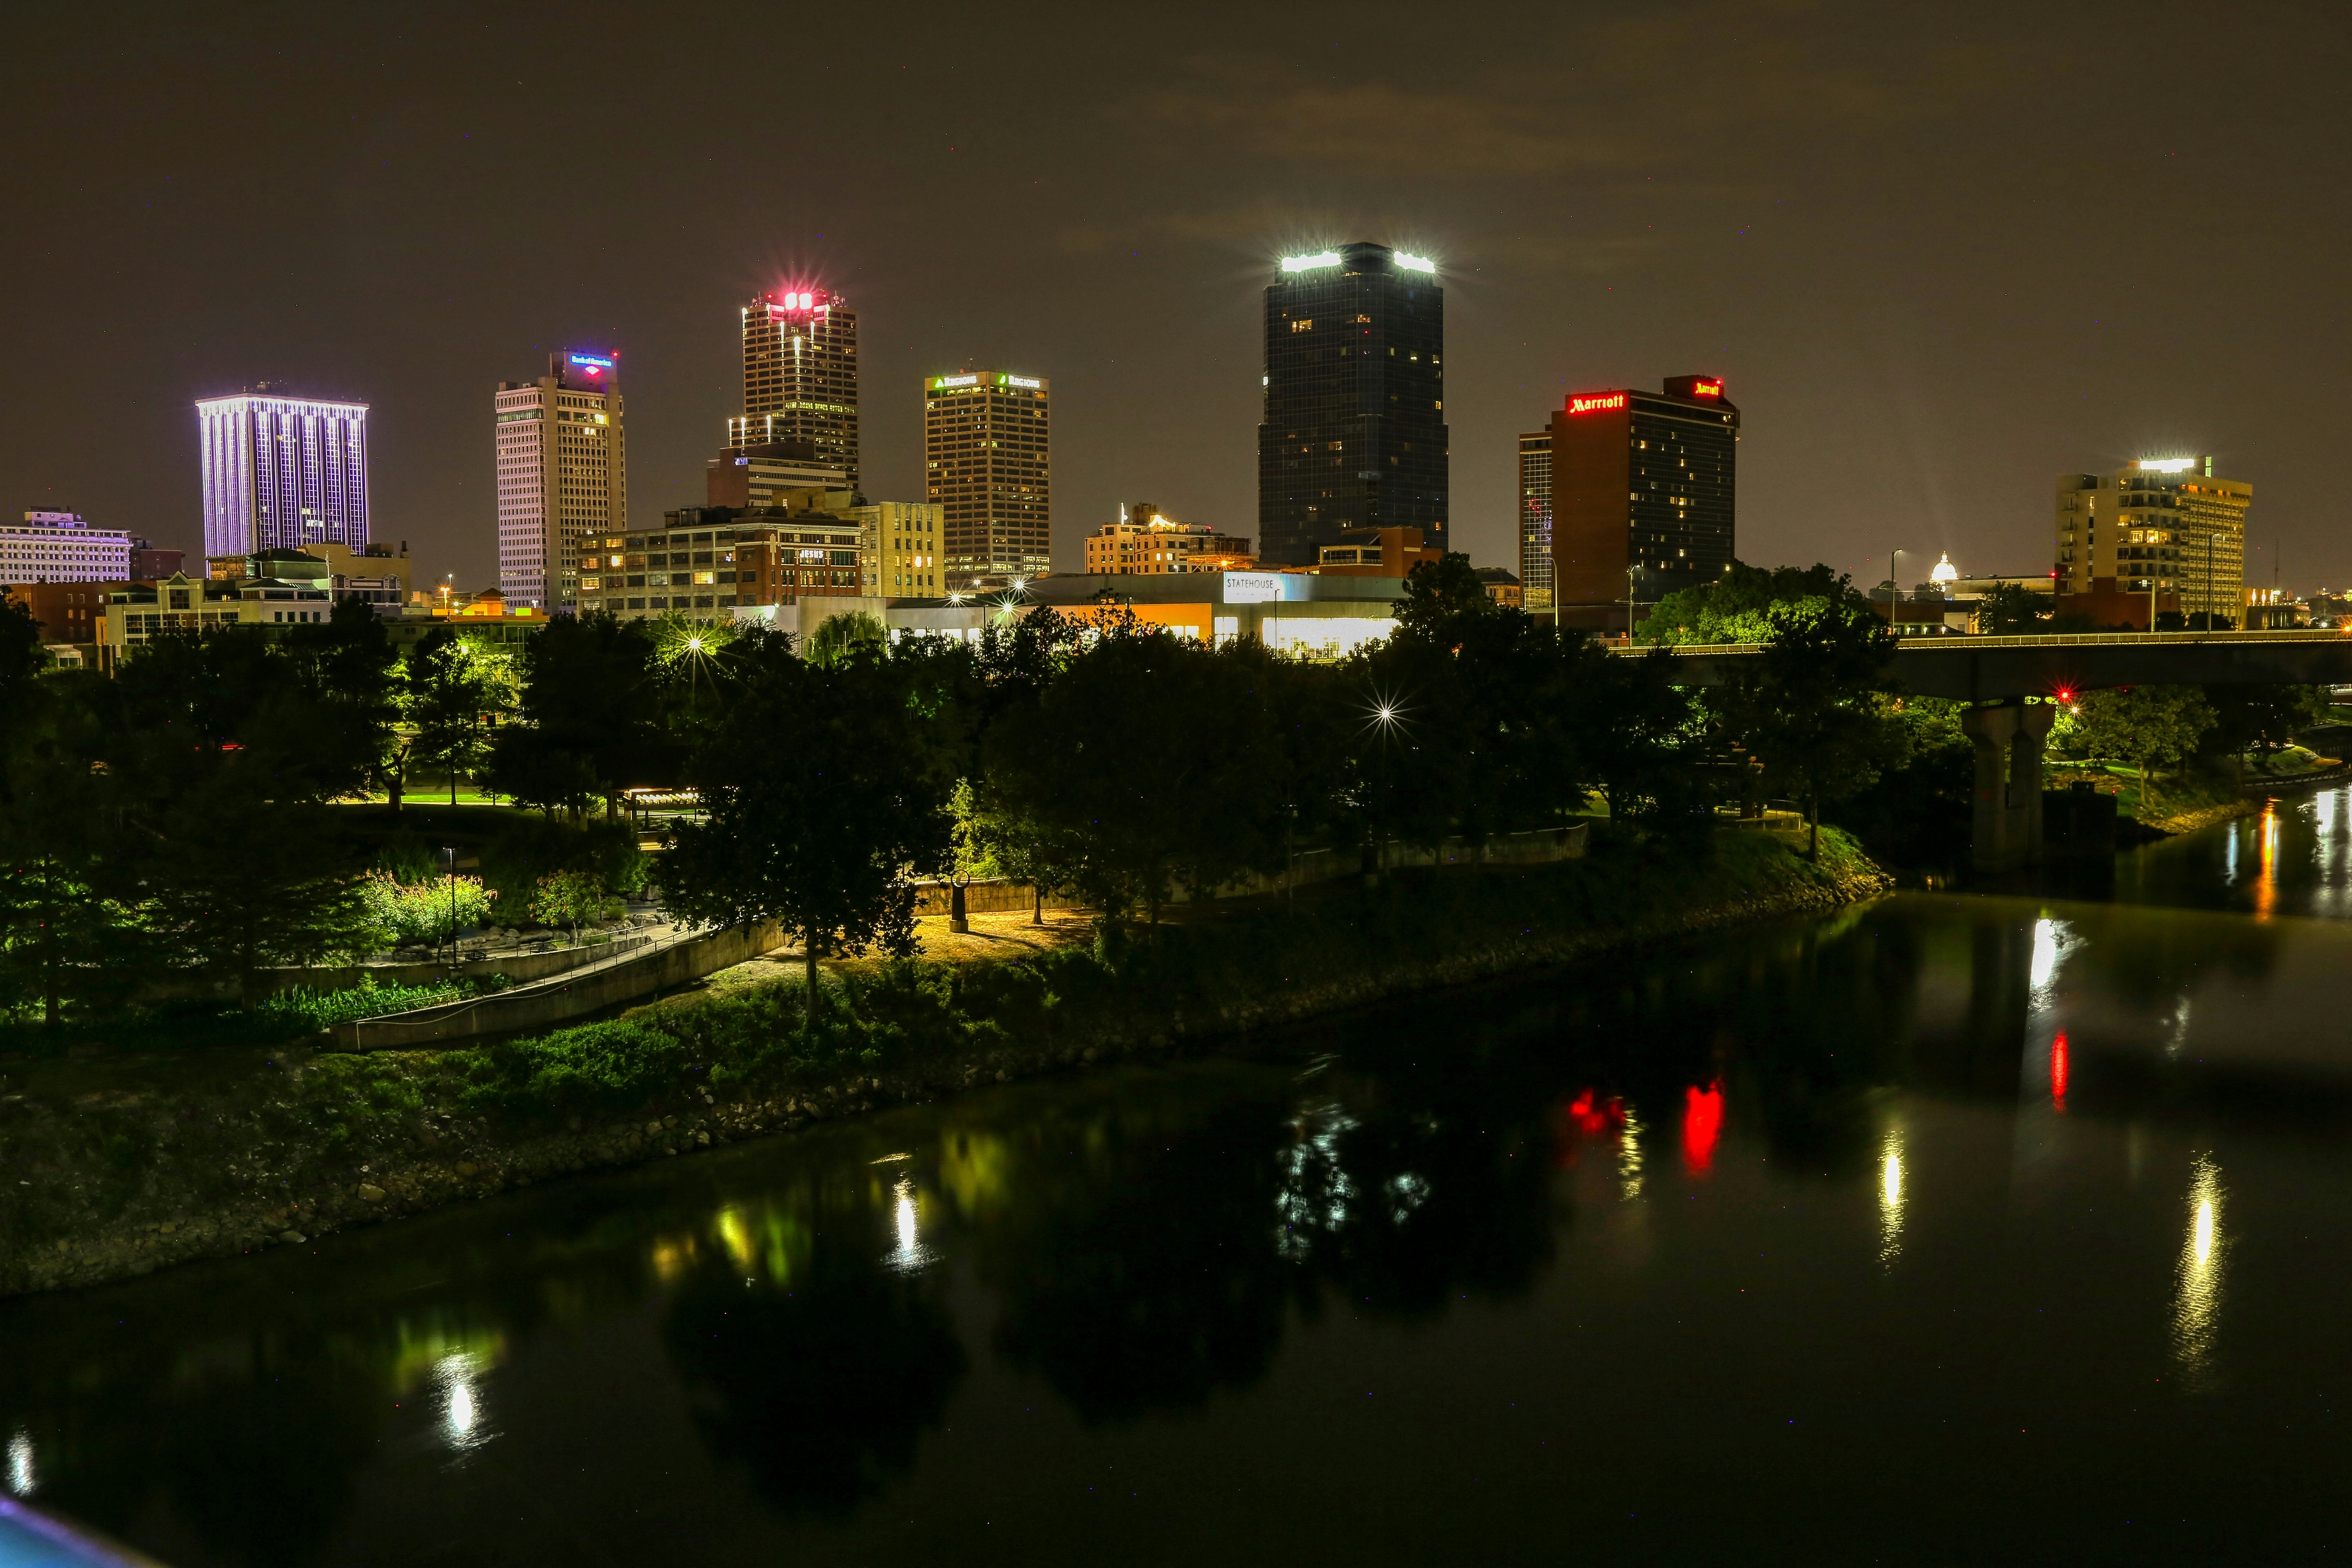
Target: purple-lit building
[(282, 473)]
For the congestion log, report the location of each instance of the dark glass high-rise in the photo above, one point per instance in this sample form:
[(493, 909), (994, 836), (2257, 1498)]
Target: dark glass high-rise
[(1354, 434)]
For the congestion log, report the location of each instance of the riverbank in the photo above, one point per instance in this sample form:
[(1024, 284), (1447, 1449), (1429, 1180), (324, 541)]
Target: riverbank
[(117, 1167)]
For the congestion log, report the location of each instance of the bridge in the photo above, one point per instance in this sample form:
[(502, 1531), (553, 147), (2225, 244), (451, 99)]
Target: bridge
[(2014, 684)]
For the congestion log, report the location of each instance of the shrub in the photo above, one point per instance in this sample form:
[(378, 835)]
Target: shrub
[(403, 913), (304, 1010), (616, 1064)]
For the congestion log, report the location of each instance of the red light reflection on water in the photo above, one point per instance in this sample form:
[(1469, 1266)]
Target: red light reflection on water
[(1702, 1124), (1585, 1116), (2058, 1072)]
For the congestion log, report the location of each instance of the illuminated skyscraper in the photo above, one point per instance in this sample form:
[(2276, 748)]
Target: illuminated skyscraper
[(1643, 492), (1354, 434), (563, 476), (1535, 519), (800, 377), (280, 472), (988, 466)]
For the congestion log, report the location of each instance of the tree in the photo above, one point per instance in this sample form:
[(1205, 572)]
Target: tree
[(591, 717), (568, 898), (2265, 720), (823, 801), (2008, 609), (455, 686), (1813, 708), (1734, 607), (1139, 768), (2143, 725)]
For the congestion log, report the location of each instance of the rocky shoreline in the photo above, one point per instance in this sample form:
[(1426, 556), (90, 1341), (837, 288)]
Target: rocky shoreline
[(109, 1178)]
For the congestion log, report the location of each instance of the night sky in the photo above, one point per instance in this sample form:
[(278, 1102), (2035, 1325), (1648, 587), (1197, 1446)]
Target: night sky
[(1940, 255)]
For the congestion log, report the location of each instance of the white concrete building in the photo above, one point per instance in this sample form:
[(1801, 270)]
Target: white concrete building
[(61, 547)]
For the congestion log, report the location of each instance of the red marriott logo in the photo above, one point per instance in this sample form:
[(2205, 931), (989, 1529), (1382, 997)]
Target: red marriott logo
[(1706, 389), (1588, 403)]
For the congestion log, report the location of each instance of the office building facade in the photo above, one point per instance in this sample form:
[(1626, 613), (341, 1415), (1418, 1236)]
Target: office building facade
[(1147, 542), (988, 466), (562, 468), (703, 562), (280, 472), (1534, 520), (903, 545), (2156, 537), (800, 377), (1354, 432), (1643, 497), (755, 477), (51, 546)]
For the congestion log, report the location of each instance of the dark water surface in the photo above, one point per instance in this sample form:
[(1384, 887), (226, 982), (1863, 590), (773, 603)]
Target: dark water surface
[(1957, 1229)]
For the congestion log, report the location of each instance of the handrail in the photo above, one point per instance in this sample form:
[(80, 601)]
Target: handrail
[(2051, 639)]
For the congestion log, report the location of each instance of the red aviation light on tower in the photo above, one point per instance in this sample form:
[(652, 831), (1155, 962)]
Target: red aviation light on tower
[(1594, 402)]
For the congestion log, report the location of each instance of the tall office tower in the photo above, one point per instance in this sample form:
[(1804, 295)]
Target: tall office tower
[(563, 476), (987, 465), (2162, 529), (1354, 434), (1642, 497), (281, 472), (800, 377), (1534, 520)]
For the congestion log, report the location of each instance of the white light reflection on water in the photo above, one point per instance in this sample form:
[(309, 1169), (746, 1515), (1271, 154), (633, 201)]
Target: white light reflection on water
[(1890, 1200), (1629, 1157), (462, 1423), (2196, 1297), (910, 1253), (21, 1479), (1314, 1192)]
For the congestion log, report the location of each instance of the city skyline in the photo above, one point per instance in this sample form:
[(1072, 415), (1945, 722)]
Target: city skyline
[(1857, 235)]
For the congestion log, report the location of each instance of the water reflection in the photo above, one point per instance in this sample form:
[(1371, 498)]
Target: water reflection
[(2197, 1294), (1146, 1245), (1890, 1200), (461, 1418)]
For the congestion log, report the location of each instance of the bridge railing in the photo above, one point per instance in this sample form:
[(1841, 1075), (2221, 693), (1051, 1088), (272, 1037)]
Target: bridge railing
[(2052, 639)]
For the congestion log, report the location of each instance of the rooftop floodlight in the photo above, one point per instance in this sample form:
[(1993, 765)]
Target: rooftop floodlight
[(1308, 263), (1411, 263), (2167, 465)]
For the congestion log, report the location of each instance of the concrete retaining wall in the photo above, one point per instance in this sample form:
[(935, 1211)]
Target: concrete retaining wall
[(563, 997), (516, 966)]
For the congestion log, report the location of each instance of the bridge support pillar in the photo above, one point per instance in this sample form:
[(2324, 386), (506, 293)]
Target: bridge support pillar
[(2007, 830)]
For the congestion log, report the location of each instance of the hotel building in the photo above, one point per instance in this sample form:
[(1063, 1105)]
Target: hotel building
[(1354, 431), (987, 451), (1642, 493), (281, 473), (562, 467), (1535, 519), (2161, 535), (800, 378)]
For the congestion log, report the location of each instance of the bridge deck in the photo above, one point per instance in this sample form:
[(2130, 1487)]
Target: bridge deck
[(1972, 669)]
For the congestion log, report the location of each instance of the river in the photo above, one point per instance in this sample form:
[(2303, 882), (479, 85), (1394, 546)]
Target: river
[(1959, 1228)]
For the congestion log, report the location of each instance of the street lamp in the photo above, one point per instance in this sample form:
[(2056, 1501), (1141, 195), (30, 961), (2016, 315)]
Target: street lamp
[(451, 850)]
